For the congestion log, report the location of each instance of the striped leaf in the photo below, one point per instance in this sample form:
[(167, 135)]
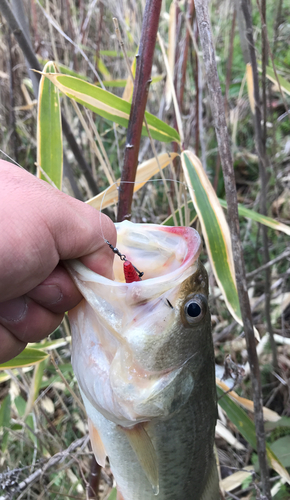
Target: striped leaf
[(145, 171), (262, 219), (243, 211), (285, 85), (109, 106), (247, 429), (25, 358), (250, 85), (215, 230), (49, 131)]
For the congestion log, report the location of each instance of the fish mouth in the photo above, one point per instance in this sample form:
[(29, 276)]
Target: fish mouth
[(155, 250), (166, 255), (122, 331)]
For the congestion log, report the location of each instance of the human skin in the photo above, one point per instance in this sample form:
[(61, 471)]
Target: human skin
[(40, 227)]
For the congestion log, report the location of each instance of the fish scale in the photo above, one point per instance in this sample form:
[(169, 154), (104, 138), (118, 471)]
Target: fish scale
[(143, 355)]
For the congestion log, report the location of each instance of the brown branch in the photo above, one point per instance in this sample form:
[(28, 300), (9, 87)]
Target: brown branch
[(218, 112), (94, 479), (141, 88)]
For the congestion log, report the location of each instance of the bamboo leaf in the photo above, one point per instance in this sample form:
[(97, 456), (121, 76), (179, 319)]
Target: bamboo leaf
[(65, 70), (145, 171), (247, 429), (123, 83), (5, 410), (250, 85), (35, 385), (27, 357), (268, 414), (51, 344), (109, 106), (113, 494), (243, 211), (49, 131), (215, 230), (285, 85), (262, 219), (103, 69)]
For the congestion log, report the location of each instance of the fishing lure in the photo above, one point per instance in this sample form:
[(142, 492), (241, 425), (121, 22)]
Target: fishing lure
[(131, 272)]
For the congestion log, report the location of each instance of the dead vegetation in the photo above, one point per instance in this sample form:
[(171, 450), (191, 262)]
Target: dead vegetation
[(45, 452)]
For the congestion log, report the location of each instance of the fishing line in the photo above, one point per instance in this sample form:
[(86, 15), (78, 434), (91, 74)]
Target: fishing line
[(11, 159)]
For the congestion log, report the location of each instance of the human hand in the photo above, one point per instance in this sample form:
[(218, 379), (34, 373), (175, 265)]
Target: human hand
[(40, 227)]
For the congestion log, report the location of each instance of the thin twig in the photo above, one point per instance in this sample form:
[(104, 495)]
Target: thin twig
[(53, 461), (184, 55), (261, 151), (270, 263), (218, 112)]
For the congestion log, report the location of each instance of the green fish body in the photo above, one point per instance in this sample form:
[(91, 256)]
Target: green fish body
[(143, 356)]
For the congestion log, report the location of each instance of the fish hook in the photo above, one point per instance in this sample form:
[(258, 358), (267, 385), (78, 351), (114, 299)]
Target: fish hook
[(124, 259)]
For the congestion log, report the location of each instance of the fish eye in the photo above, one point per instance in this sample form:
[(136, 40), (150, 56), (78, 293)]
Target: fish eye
[(195, 308)]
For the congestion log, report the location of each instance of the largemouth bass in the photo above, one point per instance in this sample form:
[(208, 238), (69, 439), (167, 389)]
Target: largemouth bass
[(143, 356)]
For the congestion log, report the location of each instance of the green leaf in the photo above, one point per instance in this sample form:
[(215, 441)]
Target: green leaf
[(64, 69), (262, 219), (5, 410), (285, 85), (25, 358), (113, 494), (49, 131), (247, 429), (122, 83), (109, 106), (20, 404), (281, 448), (283, 422), (35, 385), (51, 344), (214, 228)]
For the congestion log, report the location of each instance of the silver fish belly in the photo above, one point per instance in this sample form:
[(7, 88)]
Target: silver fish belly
[(144, 360)]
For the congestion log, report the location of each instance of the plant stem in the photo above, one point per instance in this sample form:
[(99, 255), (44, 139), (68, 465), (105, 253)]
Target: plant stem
[(141, 88), (94, 479), (184, 55), (33, 63), (260, 139), (229, 63), (218, 112)]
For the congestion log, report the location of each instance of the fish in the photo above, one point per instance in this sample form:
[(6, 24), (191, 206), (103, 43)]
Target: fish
[(142, 353)]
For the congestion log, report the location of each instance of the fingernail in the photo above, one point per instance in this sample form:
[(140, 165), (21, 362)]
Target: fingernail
[(46, 295), (13, 310)]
